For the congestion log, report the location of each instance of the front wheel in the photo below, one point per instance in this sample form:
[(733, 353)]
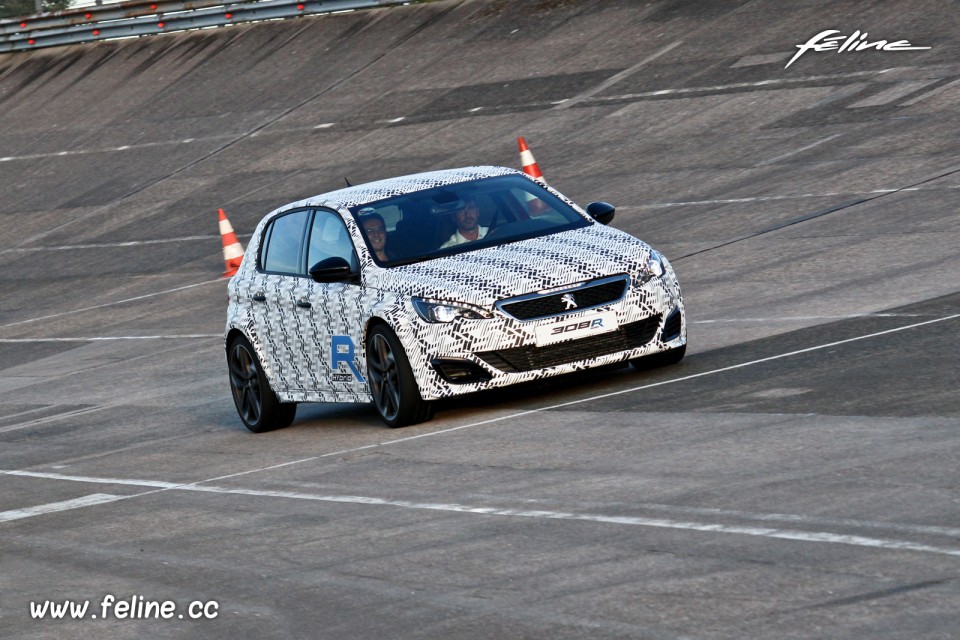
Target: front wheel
[(258, 406), (392, 385), (662, 359)]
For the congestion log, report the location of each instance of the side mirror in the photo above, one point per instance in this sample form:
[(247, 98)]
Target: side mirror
[(602, 212), (331, 270)]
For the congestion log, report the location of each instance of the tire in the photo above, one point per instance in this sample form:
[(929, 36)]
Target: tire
[(392, 385), (662, 359), (257, 404)]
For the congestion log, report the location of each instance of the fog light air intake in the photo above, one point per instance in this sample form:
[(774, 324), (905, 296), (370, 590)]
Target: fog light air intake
[(457, 371)]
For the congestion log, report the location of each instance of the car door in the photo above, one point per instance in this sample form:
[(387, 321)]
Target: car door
[(275, 308), (330, 313)]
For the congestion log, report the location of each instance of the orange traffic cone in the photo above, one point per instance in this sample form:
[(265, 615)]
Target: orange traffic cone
[(232, 249), (530, 166)]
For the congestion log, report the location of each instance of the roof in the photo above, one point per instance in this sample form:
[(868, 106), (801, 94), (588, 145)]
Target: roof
[(374, 191)]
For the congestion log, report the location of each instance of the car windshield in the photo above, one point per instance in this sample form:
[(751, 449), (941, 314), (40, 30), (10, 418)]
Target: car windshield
[(461, 217)]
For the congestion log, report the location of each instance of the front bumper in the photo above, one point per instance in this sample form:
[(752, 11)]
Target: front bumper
[(464, 356)]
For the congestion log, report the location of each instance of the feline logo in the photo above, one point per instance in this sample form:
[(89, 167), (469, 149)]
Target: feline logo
[(568, 300), (826, 41)]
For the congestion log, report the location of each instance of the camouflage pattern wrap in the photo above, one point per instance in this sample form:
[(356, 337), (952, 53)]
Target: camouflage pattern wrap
[(305, 353)]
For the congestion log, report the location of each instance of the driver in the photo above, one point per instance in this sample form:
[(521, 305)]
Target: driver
[(468, 225), (376, 231)]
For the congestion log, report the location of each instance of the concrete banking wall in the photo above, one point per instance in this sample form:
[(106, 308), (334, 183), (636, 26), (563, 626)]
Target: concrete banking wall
[(666, 102)]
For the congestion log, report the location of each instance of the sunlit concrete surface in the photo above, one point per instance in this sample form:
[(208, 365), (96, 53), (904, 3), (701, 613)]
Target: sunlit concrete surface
[(795, 476)]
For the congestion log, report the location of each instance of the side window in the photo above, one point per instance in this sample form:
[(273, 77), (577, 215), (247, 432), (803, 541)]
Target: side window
[(283, 240), (329, 239)]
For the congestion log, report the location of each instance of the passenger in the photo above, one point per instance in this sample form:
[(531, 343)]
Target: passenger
[(537, 209), (468, 225), (376, 231)]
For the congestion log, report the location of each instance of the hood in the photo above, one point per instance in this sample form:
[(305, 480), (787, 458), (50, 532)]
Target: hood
[(484, 276)]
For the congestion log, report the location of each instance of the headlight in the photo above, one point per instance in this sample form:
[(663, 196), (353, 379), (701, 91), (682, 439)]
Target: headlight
[(444, 311), (655, 267)]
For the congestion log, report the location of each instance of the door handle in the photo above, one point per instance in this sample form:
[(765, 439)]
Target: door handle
[(303, 303), (259, 297)]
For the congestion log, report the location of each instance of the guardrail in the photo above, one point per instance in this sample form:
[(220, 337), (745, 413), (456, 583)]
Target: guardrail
[(146, 17)]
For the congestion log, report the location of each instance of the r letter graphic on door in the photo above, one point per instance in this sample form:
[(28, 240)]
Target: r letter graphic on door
[(341, 350)]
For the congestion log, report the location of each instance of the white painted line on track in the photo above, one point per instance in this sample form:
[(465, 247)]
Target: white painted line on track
[(764, 532), (658, 205), (186, 336), (785, 534), (110, 304), (738, 85), (806, 520), (804, 318), (53, 507), (762, 58), (800, 150), (612, 80), (54, 418), (25, 412), (566, 103), (895, 92), (574, 402), (795, 196), (126, 147), (111, 245), (929, 94), (843, 92), (157, 484)]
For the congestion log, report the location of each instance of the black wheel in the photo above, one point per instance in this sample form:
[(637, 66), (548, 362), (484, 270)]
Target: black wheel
[(392, 385), (662, 359), (256, 402)]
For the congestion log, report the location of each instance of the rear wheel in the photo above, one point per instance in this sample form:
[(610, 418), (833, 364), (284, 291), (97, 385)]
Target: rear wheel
[(662, 359), (392, 385), (257, 404)]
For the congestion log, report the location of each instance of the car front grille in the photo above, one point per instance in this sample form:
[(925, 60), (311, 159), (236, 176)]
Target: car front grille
[(628, 336), (594, 294)]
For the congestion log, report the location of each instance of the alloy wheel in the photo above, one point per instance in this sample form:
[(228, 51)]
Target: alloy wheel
[(245, 383), (384, 377)]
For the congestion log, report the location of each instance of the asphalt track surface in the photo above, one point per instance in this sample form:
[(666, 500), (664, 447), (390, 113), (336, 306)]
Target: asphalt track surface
[(796, 476)]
